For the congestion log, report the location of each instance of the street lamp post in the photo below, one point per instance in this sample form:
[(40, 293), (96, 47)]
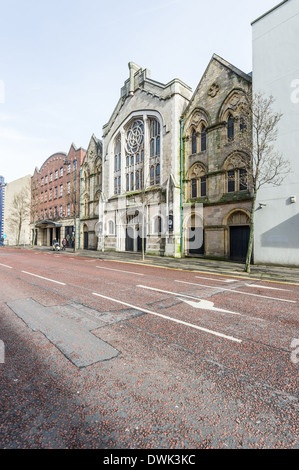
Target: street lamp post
[(67, 163)]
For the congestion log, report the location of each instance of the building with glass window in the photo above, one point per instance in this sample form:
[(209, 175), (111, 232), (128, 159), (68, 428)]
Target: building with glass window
[(91, 193), (55, 197), (217, 200)]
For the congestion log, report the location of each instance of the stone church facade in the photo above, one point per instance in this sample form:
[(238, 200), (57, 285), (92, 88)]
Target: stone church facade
[(173, 182), (216, 182), (91, 190), (141, 167)]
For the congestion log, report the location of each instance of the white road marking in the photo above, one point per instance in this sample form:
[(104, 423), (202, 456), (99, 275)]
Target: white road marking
[(266, 287), (202, 304), (238, 292), (45, 278), (120, 271), (5, 266), (217, 280), (215, 333)]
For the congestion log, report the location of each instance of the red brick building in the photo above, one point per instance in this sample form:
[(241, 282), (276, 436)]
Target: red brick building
[(55, 198)]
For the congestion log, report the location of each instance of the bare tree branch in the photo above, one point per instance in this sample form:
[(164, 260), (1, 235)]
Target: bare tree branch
[(258, 137)]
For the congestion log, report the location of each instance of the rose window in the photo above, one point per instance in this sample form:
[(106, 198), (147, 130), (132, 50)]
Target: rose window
[(135, 137)]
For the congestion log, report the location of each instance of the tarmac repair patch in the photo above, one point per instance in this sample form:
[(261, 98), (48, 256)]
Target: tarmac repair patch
[(69, 328)]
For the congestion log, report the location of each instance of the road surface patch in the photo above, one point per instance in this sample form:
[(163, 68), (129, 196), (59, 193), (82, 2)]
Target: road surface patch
[(67, 328)]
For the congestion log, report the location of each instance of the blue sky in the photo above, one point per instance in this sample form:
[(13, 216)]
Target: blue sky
[(63, 63)]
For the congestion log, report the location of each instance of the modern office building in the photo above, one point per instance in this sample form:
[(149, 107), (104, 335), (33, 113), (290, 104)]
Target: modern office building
[(2, 199), (276, 73)]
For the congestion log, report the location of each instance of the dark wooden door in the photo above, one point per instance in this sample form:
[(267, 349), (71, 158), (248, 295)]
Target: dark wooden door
[(196, 241), (85, 240), (130, 239), (239, 238)]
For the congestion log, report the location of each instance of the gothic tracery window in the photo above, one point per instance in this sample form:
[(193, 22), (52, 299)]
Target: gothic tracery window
[(230, 128), (194, 142), (236, 174), (203, 138), (155, 143), (135, 155), (198, 182), (140, 137)]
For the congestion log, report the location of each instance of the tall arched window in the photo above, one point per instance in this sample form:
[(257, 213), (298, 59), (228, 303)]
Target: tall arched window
[(243, 126), (117, 166), (155, 141), (155, 138), (152, 175), (141, 135), (137, 180), (194, 142), (198, 181), (134, 154), (203, 138), (158, 173), (230, 128), (237, 177)]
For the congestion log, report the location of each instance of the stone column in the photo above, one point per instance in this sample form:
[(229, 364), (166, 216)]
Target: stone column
[(146, 150)]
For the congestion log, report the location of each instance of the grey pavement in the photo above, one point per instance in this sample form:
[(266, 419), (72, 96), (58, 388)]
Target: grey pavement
[(267, 272)]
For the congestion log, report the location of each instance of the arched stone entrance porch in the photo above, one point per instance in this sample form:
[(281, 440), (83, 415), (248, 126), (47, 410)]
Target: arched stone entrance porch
[(237, 223)]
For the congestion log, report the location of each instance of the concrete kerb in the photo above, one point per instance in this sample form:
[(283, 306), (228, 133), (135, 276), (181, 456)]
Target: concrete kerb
[(228, 268)]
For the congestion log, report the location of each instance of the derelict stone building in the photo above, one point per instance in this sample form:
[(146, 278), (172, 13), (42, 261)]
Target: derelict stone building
[(216, 189), (172, 180)]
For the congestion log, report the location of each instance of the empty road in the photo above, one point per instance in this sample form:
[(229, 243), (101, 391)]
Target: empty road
[(104, 355)]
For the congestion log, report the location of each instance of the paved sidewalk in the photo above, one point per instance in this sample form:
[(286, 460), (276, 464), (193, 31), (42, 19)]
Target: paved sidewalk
[(275, 273)]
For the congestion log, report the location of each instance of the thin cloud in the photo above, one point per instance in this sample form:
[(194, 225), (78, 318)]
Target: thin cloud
[(145, 11), (13, 135)]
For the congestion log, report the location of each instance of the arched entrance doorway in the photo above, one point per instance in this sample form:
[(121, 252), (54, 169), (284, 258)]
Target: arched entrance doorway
[(194, 235), (85, 235), (134, 231), (238, 224)]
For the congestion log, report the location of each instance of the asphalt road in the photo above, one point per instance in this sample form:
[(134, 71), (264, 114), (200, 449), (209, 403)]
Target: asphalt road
[(100, 354)]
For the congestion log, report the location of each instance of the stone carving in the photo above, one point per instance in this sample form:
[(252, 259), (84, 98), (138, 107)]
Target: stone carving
[(197, 170), (214, 90)]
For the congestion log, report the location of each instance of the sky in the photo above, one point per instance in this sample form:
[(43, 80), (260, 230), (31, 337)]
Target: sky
[(63, 63)]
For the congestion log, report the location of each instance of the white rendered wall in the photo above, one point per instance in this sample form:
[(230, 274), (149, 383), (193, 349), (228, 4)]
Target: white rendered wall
[(276, 72)]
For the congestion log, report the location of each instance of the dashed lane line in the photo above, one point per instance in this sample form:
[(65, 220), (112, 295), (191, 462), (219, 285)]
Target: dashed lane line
[(6, 266), (256, 286), (120, 271), (45, 278), (217, 280), (238, 292)]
